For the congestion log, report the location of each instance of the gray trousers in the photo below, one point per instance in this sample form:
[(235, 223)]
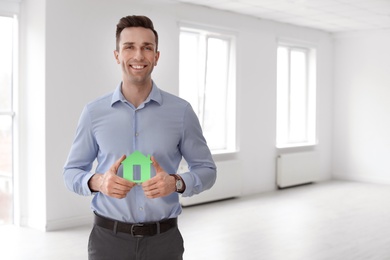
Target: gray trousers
[(105, 244)]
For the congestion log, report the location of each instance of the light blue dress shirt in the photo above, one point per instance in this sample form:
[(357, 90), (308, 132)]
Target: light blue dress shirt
[(164, 126)]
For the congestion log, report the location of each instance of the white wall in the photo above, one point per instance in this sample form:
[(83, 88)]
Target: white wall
[(361, 148), (78, 66)]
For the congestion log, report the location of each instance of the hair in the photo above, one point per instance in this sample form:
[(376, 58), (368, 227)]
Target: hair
[(134, 21)]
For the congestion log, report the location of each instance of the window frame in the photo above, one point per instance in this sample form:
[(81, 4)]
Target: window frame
[(310, 51), (231, 142), (12, 11)]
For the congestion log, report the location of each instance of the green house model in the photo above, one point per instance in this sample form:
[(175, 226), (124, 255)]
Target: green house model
[(136, 167)]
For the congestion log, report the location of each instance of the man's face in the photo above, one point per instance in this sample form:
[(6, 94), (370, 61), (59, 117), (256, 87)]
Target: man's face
[(137, 54)]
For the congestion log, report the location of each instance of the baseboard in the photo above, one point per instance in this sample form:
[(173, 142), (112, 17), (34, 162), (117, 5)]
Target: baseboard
[(364, 178), (59, 224)]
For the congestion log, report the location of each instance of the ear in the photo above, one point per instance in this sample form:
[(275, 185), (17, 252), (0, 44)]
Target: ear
[(156, 58), (116, 55)]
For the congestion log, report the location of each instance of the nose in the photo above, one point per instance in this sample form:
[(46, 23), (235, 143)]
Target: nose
[(138, 55)]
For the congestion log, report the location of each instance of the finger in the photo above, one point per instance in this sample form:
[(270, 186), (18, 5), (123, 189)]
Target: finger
[(117, 164), (118, 195), (151, 195), (152, 182), (149, 184), (146, 184), (123, 184), (156, 165), (115, 186), (121, 189)]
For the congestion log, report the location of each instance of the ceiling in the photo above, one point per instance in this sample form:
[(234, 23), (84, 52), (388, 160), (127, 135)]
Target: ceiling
[(327, 15)]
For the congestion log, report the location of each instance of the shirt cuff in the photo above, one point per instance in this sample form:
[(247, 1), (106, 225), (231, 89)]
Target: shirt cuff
[(189, 183), (86, 190)]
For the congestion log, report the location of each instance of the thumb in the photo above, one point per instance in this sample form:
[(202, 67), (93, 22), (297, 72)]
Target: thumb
[(157, 166), (114, 168)]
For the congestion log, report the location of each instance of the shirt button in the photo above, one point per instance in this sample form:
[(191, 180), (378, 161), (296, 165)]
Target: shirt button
[(141, 208), (137, 134)]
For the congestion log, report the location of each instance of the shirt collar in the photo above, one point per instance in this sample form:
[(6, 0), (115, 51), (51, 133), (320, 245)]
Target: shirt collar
[(154, 95)]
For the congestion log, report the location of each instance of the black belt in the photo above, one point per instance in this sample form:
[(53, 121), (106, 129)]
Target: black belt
[(138, 229)]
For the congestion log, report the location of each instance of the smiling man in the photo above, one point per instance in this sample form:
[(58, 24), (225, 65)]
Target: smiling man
[(137, 221)]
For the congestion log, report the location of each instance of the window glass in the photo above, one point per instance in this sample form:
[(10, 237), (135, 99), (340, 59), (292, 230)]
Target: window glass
[(215, 104), (298, 101), (205, 82)]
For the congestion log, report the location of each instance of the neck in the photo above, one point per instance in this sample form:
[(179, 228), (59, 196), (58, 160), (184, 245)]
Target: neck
[(136, 93)]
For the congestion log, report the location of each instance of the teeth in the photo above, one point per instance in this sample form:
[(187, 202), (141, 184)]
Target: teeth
[(137, 67)]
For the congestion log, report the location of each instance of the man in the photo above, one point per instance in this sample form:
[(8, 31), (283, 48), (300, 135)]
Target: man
[(137, 221)]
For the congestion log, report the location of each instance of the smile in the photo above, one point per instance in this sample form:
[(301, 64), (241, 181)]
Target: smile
[(137, 67)]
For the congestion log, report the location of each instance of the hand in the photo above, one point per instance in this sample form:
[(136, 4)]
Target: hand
[(160, 185), (110, 183)]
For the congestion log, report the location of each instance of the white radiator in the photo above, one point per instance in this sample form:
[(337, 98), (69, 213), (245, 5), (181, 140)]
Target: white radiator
[(296, 169), (227, 185)]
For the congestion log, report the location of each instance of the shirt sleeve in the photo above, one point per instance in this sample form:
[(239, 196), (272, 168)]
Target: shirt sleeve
[(81, 157), (202, 169)]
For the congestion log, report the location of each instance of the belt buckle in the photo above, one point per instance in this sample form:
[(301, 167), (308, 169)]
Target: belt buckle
[(132, 229)]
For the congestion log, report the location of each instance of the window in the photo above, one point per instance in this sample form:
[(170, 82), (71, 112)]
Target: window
[(6, 119), (296, 96), (207, 81)]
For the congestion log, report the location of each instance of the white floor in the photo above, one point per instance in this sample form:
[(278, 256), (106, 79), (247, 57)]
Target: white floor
[(324, 221)]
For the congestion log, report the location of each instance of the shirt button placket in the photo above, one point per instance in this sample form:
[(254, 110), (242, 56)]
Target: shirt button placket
[(135, 130)]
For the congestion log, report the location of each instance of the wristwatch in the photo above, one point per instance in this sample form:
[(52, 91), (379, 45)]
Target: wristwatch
[(179, 183)]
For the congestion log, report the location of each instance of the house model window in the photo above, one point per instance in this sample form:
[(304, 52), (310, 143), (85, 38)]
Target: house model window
[(137, 167)]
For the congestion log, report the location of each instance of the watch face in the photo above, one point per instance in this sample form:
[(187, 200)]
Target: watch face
[(179, 184)]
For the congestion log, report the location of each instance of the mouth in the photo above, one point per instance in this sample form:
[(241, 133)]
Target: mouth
[(138, 67)]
